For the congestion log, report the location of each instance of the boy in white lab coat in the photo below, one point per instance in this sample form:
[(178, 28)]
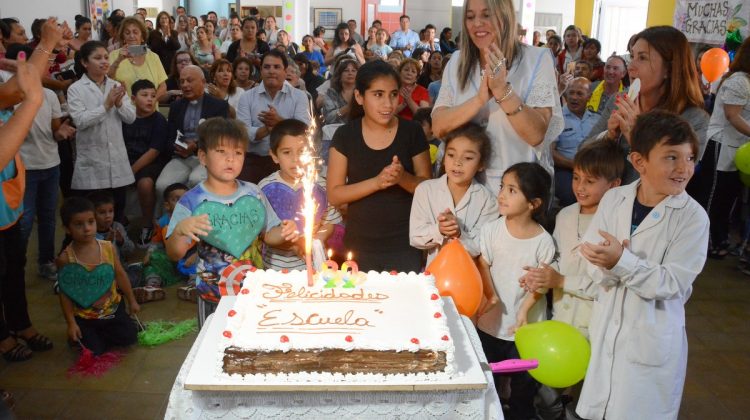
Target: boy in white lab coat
[(646, 245), (597, 168)]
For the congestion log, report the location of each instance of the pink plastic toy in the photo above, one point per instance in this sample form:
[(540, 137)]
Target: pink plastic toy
[(514, 365)]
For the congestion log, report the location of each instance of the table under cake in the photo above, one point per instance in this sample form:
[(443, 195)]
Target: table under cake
[(290, 403)]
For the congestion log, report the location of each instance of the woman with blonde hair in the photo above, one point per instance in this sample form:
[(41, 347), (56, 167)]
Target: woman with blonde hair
[(506, 86), (129, 67), (184, 35)]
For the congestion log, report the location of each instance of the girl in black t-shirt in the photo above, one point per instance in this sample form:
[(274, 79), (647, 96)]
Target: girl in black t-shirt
[(376, 161)]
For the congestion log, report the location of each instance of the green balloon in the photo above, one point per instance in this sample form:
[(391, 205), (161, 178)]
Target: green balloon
[(562, 351), (742, 158), (289, 5)]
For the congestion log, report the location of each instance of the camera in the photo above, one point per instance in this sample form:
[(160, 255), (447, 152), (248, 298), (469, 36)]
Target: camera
[(137, 50)]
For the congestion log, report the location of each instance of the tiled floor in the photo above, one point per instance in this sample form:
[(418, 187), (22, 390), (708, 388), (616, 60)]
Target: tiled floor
[(718, 377)]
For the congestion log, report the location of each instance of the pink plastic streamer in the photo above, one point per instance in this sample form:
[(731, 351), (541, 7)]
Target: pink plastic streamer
[(90, 365)]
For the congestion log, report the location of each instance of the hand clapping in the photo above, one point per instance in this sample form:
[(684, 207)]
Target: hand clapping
[(606, 253), (448, 224), (270, 118), (622, 119), (543, 277), (497, 69), (114, 98), (391, 174)]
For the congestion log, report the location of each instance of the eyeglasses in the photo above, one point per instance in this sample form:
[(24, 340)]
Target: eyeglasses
[(184, 61)]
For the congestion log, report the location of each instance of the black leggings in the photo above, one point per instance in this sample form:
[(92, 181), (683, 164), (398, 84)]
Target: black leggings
[(98, 335), (717, 191), (14, 312)]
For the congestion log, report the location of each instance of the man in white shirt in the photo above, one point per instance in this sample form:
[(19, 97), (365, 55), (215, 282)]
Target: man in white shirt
[(405, 39), (264, 106)]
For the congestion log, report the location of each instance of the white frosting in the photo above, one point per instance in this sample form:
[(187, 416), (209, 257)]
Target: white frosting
[(386, 312)]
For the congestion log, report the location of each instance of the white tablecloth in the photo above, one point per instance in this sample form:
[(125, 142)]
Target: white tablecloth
[(459, 404)]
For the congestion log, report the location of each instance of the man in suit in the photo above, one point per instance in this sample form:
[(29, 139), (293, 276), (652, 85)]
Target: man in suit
[(185, 114)]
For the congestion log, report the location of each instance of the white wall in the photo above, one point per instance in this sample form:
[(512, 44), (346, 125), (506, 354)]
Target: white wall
[(566, 7), (64, 10), (25, 13), (436, 12)]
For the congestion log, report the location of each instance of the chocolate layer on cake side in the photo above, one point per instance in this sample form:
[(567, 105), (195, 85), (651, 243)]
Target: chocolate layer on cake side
[(374, 324), (244, 362)]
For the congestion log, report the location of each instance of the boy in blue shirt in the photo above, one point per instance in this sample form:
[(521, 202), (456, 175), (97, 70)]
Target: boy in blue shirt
[(237, 210)]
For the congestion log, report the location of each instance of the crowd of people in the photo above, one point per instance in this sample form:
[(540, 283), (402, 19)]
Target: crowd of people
[(534, 157)]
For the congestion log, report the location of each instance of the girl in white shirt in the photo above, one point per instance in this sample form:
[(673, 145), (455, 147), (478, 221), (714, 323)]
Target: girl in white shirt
[(507, 245), (456, 205), (98, 106)]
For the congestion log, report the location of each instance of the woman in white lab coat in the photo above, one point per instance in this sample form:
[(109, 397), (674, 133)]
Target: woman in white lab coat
[(638, 340), (99, 106)]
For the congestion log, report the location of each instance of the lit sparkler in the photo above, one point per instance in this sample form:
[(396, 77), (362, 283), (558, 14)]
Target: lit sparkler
[(309, 206)]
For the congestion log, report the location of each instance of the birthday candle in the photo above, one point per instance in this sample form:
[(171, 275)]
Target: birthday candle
[(330, 264), (349, 264)]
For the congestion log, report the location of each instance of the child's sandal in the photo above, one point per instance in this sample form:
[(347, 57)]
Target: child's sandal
[(148, 294), (19, 353), (37, 342), (188, 293)]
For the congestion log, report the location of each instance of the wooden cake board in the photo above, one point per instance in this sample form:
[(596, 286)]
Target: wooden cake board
[(203, 373)]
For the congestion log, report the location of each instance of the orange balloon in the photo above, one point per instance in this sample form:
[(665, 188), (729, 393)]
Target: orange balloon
[(457, 276), (714, 63)]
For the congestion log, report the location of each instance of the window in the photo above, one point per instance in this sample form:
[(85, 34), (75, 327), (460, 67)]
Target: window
[(391, 6)]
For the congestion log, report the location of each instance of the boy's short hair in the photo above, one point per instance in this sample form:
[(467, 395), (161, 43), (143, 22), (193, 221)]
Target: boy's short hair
[(177, 186), (141, 85), (99, 198), (288, 127), (217, 129), (656, 126), (74, 205), (423, 115), (601, 159)]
